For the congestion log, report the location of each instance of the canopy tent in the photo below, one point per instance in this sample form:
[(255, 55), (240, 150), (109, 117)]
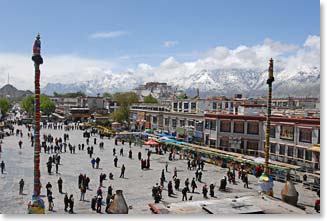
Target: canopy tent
[(151, 142), (149, 130)]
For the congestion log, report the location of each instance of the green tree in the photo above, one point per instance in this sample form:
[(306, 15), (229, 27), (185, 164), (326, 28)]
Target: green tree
[(47, 106), (5, 105), (71, 94), (28, 105), (124, 100), (150, 99), (107, 95)]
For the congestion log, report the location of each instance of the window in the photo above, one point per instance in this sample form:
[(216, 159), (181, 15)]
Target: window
[(305, 135), (224, 142), (300, 153), (212, 125), (207, 124), (212, 143), (174, 122), (308, 155), (193, 106), (175, 106), (214, 105), (290, 151), (287, 132), (281, 149), (238, 127), (252, 145), (186, 107), (167, 121), (272, 148), (182, 123), (154, 120), (253, 128), (190, 123), (148, 118), (180, 106), (272, 131), (225, 126), (226, 104)]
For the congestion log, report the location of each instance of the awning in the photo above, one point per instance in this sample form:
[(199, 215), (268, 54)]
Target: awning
[(314, 148)]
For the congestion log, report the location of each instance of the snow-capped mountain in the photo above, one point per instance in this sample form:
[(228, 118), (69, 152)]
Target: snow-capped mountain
[(303, 81), (105, 83)]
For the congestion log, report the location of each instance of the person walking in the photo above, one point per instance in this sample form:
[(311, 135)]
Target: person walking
[(83, 191), (212, 190), (48, 187), (97, 161), (21, 186), (184, 192), (71, 203), (246, 181), (193, 185), (50, 201), (121, 152), (115, 161), (3, 166), (93, 161), (60, 184), (122, 173), (99, 203), (166, 166), (205, 191), (66, 201)]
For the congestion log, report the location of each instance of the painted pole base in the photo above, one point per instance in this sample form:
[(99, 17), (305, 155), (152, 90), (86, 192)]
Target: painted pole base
[(266, 185), (36, 206)]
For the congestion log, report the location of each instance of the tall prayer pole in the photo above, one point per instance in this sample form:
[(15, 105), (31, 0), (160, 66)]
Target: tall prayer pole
[(36, 204), (265, 181)]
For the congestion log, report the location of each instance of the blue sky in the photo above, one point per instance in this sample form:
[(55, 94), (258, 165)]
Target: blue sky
[(192, 27)]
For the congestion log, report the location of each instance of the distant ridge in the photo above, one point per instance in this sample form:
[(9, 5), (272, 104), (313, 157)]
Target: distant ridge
[(9, 90)]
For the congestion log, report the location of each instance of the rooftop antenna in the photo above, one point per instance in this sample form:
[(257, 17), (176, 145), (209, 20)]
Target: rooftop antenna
[(8, 78)]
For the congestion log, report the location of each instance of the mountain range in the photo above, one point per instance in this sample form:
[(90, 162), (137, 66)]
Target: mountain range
[(303, 81)]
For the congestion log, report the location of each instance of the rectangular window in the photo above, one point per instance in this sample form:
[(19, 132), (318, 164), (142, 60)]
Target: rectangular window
[(253, 128), (212, 125), (272, 131), (185, 107), (207, 124), (154, 120), (175, 106), (287, 132), (214, 105), (190, 123), (182, 123), (180, 104), (290, 151), (226, 104), (166, 121), (300, 153), (193, 106), (224, 142), (174, 122), (225, 126), (305, 135), (272, 148), (281, 149), (212, 143), (308, 155), (238, 127), (252, 145)]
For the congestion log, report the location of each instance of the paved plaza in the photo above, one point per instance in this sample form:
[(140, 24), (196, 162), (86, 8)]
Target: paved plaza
[(136, 186)]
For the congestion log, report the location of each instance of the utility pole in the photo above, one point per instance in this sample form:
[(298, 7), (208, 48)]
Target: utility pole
[(36, 204), (265, 181)]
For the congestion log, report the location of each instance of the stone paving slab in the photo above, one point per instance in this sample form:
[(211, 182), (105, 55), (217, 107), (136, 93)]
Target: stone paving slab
[(136, 186)]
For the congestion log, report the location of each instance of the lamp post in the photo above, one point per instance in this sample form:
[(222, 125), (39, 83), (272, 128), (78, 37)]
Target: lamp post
[(36, 204), (265, 181)]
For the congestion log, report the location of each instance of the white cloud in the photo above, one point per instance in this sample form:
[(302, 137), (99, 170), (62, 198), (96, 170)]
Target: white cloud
[(59, 68), (72, 68), (170, 44), (111, 34)]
